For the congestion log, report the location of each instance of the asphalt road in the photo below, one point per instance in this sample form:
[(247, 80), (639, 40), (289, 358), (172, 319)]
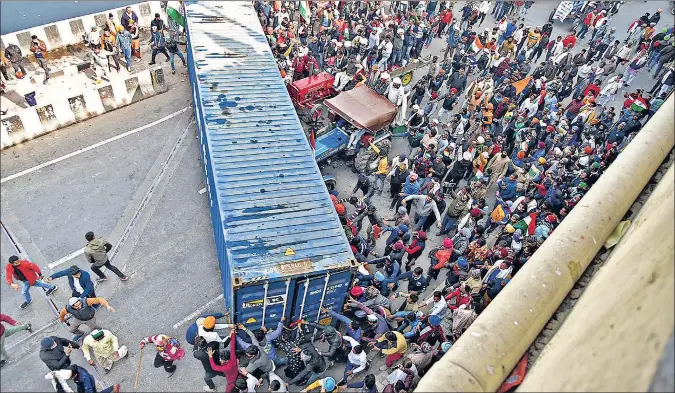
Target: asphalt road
[(142, 192)]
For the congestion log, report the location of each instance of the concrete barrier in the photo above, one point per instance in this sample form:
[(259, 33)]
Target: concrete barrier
[(614, 336), (70, 31), (31, 122), (487, 352)]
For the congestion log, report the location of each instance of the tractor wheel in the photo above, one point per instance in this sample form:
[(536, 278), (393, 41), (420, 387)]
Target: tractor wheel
[(406, 78), (331, 184), (363, 159)]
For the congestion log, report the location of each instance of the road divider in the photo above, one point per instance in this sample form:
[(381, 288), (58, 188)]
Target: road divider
[(62, 111)]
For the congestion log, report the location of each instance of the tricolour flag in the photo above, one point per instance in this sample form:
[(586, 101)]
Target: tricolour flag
[(476, 45), (639, 105), (304, 10)]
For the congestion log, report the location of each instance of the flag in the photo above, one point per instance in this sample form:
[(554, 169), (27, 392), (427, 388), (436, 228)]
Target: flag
[(521, 84), (304, 10), (312, 138), (476, 45), (173, 11), (639, 105)]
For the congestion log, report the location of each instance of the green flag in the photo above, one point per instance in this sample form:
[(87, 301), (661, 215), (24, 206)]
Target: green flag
[(173, 11), (304, 10)]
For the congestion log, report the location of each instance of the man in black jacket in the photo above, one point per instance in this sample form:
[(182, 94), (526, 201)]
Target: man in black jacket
[(14, 55), (55, 352), (458, 81), (461, 169), (315, 365), (200, 354)]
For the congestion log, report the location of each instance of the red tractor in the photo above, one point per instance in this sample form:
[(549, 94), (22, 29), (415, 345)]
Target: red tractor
[(307, 93)]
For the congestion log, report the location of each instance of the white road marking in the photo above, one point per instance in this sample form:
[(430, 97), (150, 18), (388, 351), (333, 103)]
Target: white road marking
[(198, 311), (94, 146), (66, 258), (203, 190)]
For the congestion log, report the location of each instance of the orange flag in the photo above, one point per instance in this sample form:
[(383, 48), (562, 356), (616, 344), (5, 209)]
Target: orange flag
[(521, 84)]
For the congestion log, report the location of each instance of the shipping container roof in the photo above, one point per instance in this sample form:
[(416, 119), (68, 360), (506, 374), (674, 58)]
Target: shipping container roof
[(274, 206)]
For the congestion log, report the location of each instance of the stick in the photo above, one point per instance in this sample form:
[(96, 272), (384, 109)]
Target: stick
[(138, 371)]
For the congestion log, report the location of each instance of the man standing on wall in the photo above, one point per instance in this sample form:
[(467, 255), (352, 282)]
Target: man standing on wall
[(158, 44), (39, 49), (127, 16), (14, 55)]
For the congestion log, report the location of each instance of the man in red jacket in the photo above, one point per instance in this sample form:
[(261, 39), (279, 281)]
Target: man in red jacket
[(594, 88), (590, 18), (30, 276), (4, 333), (569, 41), (229, 363)]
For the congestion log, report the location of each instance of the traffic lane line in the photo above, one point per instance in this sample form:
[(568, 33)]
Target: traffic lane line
[(94, 146), (66, 258), (198, 311)]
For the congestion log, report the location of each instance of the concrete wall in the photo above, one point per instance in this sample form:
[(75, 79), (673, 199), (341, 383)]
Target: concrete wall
[(29, 123), (69, 31), (614, 337)]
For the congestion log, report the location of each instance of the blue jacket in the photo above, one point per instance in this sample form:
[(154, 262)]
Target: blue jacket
[(393, 237), (355, 334), (84, 381), (510, 191), (510, 29), (85, 282), (453, 37), (417, 285), (411, 188), (157, 39)]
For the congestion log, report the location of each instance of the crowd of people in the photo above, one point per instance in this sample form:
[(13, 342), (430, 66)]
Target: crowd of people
[(78, 315), (508, 113)]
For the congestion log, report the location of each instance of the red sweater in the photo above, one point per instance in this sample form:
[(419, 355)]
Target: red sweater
[(231, 367), (29, 269), (447, 17), (9, 320), (461, 298)]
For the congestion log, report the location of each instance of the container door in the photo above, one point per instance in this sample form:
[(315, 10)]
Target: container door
[(262, 304), (326, 290)]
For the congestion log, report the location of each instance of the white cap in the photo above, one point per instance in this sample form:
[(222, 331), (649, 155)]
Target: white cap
[(348, 44), (339, 44), (372, 318), (466, 156), (384, 75), (480, 140), (363, 40), (434, 121), (73, 300), (399, 31), (397, 80), (416, 107)]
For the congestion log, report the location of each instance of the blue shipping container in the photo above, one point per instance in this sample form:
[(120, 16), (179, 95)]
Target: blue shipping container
[(280, 245)]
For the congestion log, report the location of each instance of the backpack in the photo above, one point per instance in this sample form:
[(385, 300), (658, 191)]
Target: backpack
[(443, 255), (174, 350)]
